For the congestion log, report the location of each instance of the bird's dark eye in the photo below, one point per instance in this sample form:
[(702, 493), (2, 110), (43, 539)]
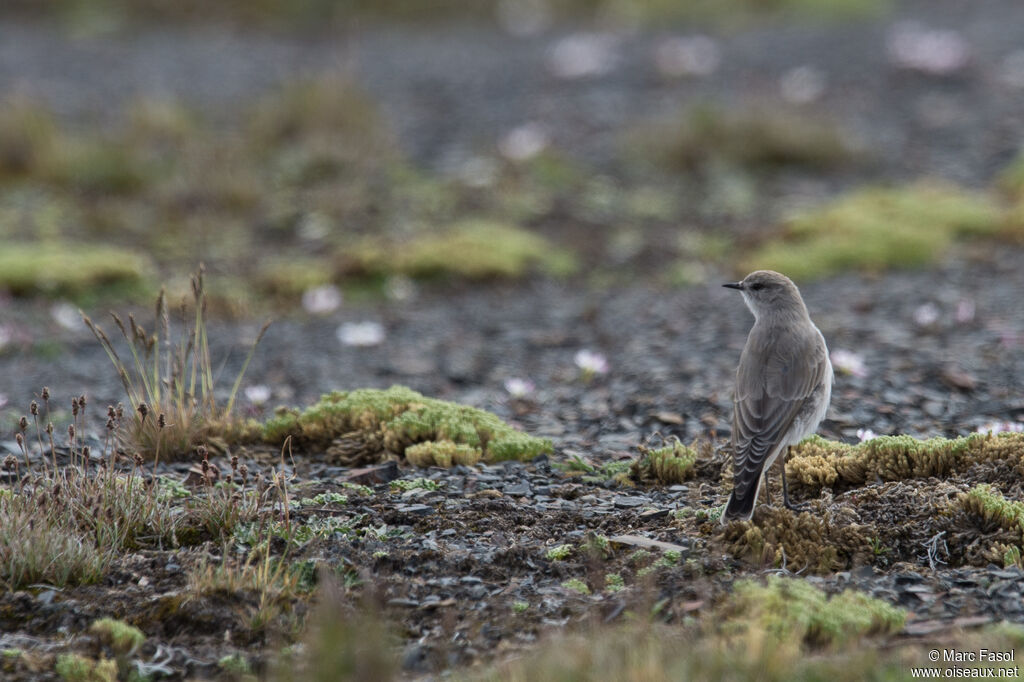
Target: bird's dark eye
[(757, 286)]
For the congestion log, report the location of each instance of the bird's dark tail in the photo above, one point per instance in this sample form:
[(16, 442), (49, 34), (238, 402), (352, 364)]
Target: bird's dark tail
[(741, 506)]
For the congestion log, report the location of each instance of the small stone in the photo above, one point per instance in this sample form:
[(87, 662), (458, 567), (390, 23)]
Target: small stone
[(646, 543), (417, 509), (519, 489), (381, 473), (650, 514), (629, 502), (863, 572)]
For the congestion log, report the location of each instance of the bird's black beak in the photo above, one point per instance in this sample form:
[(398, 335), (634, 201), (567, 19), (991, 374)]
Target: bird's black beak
[(734, 285)]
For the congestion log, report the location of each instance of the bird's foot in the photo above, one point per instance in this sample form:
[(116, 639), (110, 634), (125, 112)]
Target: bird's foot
[(797, 506)]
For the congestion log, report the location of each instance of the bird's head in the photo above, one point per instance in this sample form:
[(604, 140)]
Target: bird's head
[(768, 292)]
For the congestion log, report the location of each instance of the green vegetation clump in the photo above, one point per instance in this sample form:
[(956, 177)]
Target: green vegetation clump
[(442, 454), (559, 552), (475, 249), (171, 382), (403, 484), (71, 270), (1011, 178), (392, 420), (77, 668), (316, 14), (235, 664), (118, 635), (819, 463), (799, 541), (986, 502), (613, 583), (876, 229), (576, 585), (752, 137), (673, 463), (793, 610)]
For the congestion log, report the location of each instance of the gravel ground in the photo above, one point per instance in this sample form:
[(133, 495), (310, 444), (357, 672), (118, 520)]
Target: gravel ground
[(452, 91), (941, 348)]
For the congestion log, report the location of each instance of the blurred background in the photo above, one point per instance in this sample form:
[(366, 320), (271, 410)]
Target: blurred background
[(313, 151)]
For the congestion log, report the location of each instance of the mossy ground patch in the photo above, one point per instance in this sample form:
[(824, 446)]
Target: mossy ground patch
[(369, 424), (934, 502), (879, 228), (475, 249)]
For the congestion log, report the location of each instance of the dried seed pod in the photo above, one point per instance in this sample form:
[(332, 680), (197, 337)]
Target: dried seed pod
[(143, 409), (110, 412), (10, 462), (74, 407), (23, 423), (81, 401), (202, 451), (19, 439), (33, 408), (71, 431), (161, 420), (45, 395)]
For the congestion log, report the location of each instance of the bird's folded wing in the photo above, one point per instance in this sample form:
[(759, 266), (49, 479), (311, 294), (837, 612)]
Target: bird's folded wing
[(772, 389)]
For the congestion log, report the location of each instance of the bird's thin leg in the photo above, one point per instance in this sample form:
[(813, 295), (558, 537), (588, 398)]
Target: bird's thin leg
[(767, 490), (785, 492)]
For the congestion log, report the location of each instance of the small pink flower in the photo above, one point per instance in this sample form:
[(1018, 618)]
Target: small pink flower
[(926, 315), (965, 311), (321, 300), (590, 362), (848, 362), (523, 143), (361, 333), (580, 55), (866, 434), (1001, 427), (67, 316), (258, 394), (519, 388), (935, 52)]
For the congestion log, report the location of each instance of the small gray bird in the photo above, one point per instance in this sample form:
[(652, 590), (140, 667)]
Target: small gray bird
[(783, 386)]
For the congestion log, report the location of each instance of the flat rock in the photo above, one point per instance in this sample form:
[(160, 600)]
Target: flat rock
[(518, 489), (380, 473), (417, 509), (646, 543)]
